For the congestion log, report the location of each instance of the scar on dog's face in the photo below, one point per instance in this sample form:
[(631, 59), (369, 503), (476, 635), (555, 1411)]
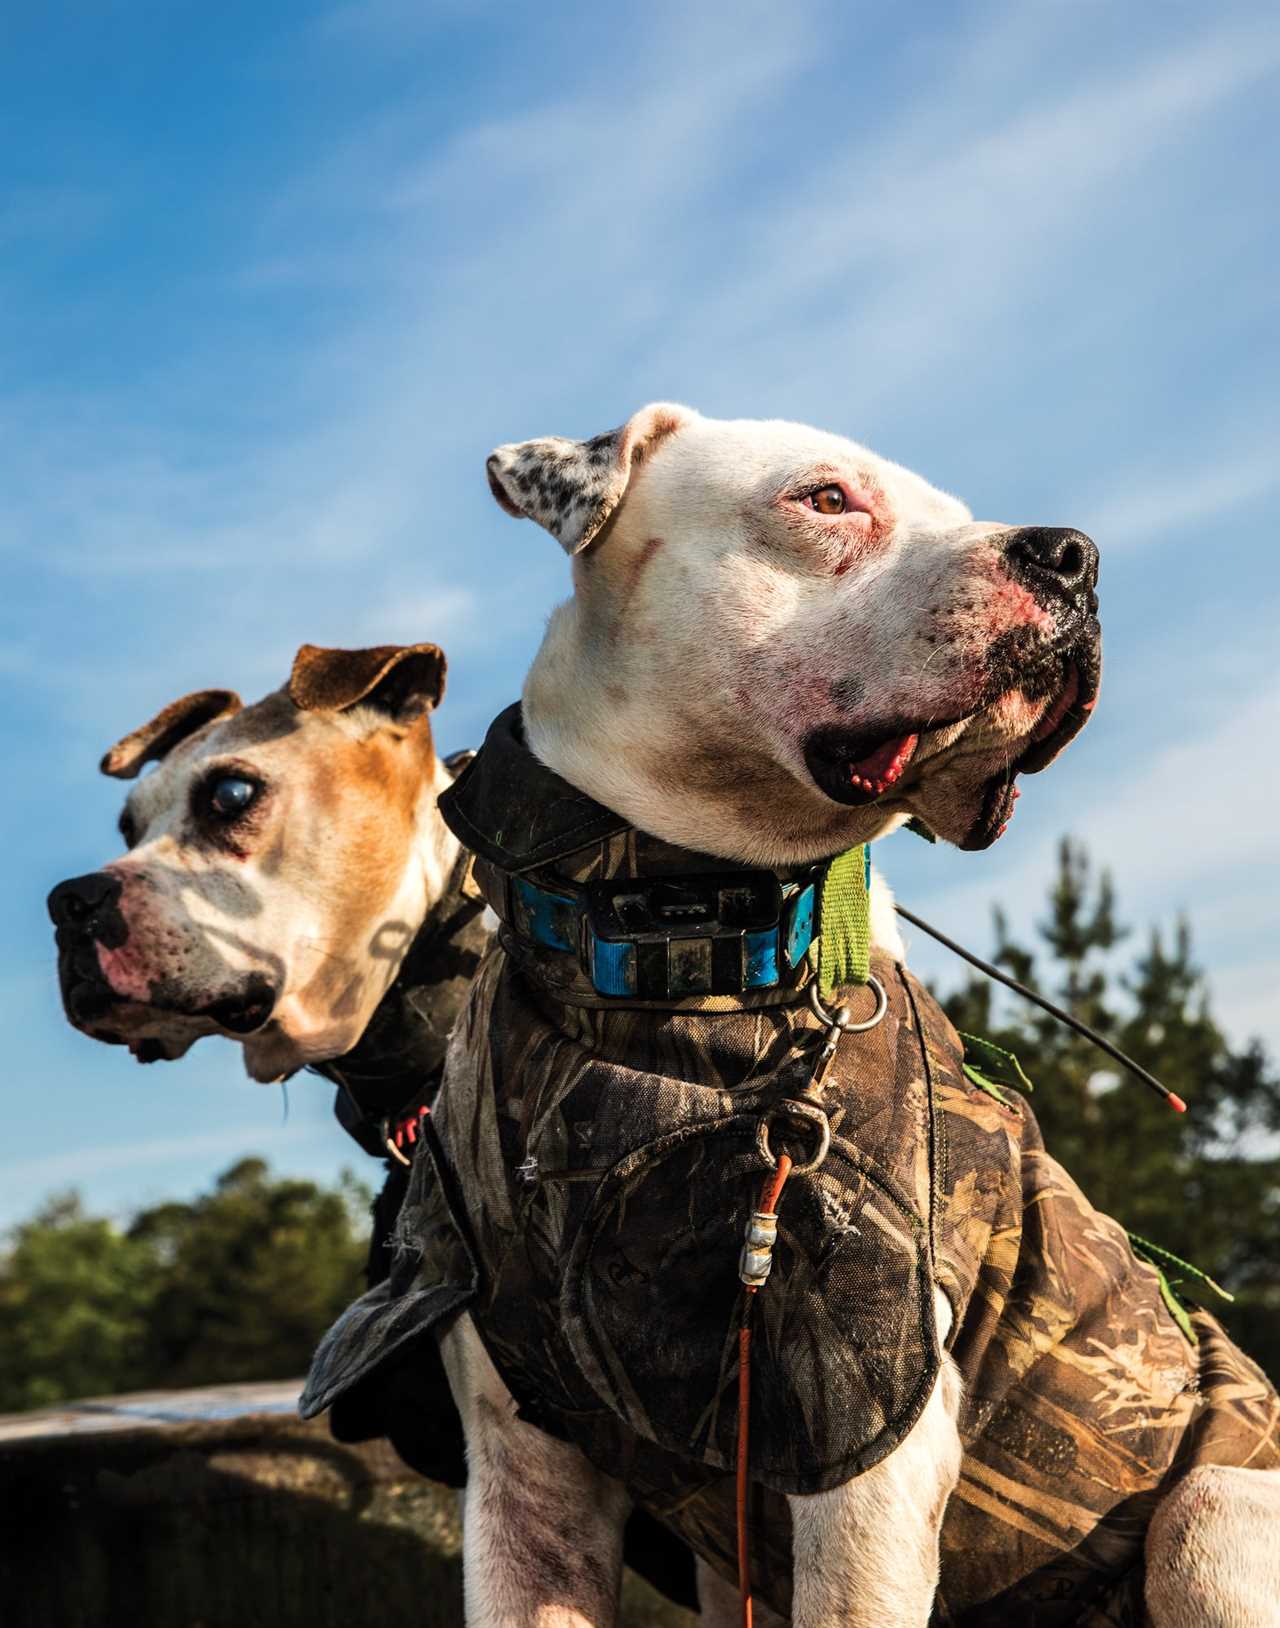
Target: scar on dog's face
[(280, 861), (781, 644)]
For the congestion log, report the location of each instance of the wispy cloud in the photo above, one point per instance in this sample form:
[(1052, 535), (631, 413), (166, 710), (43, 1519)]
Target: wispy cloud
[(901, 250), (1189, 831), (1149, 507), (1027, 250), (84, 1164)]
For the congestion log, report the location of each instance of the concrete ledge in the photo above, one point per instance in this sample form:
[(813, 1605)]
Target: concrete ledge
[(220, 1508)]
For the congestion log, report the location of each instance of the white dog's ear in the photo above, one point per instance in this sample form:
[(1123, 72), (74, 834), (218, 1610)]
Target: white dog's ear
[(158, 738), (572, 487), (404, 681)]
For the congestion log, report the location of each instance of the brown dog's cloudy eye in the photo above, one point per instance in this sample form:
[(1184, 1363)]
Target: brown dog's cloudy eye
[(231, 795), (828, 500)]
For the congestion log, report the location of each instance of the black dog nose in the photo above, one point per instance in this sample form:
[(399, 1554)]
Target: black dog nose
[(1055, 557), (83, 900)]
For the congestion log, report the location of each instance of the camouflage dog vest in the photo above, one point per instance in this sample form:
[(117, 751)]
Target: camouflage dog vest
[(582, 1193)]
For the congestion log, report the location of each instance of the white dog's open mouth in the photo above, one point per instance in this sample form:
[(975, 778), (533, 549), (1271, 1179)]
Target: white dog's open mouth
[(858, 768)]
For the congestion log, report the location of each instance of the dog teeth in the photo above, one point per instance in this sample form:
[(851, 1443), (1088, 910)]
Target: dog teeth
[(877, 781), (877, 786)]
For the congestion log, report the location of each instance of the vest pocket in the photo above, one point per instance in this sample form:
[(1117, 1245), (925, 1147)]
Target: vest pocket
[(844, 1350)]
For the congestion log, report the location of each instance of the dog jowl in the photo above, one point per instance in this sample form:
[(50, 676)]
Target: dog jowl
[(781, 644), (281, 857)]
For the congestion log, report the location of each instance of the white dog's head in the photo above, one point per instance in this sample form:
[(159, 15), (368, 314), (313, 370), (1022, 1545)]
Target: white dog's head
[(282, 857), (781, 644)]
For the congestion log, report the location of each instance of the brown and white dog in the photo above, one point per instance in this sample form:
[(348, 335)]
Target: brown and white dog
[(779, 645), (282, 858)]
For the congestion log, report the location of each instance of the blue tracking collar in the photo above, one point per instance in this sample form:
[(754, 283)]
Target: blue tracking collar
[(711, 930), (667, 937)]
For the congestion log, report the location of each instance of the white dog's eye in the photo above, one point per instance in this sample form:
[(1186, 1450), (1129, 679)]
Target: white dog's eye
[(231, 794), (827, 500)]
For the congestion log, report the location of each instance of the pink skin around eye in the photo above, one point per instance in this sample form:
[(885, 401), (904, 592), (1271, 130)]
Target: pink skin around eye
[(864, 519), (858, 505)]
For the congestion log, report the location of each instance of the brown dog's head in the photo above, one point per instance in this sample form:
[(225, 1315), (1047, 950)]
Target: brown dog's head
[(281, 858), (781, 644)]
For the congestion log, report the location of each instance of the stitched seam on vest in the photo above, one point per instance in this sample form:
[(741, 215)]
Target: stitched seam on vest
[(935, 1187)]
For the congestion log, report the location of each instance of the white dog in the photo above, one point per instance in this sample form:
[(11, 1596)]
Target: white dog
[(780, 645)]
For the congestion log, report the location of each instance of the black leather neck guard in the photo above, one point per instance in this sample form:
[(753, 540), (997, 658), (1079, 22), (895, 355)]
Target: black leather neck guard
[(607, 911), (513, 811)]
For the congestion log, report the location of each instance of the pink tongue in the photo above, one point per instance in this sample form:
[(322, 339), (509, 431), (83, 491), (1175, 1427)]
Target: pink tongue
[(879, 769)]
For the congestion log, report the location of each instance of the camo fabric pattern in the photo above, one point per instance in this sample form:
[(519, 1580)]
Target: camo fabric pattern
[(586, 1199)]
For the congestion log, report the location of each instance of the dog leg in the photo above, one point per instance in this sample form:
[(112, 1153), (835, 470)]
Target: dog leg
[(866, 1553), (1213, 1551), (542, 1529)]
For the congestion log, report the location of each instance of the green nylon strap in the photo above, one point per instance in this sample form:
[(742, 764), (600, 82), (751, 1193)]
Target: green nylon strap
[(844, 923), (998, 1071), (1178, 1269), (1173, 1272)]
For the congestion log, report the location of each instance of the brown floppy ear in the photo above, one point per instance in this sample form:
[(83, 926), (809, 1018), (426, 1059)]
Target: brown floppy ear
[(404, 681), (572, 487), (159, 737)]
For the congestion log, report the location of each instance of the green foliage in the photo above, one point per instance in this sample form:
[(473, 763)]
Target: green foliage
[(74, 1298), (1205, 1185), (238, 1284)]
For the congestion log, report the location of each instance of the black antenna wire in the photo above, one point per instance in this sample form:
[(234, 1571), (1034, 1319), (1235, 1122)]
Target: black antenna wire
[(1136, 1069)]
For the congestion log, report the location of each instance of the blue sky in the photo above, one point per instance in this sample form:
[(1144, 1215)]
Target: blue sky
[(273, 279)]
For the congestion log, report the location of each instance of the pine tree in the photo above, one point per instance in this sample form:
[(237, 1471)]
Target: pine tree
[(1205, 1185)]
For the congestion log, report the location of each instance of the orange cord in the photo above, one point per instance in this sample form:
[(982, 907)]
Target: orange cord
[(744, 1407), (768, 1204)]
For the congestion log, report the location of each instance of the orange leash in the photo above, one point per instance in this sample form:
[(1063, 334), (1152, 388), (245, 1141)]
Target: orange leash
[(768, 1207)]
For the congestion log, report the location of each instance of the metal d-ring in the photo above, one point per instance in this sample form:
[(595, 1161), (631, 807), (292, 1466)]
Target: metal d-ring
[(841, 1018), (812, 1115)]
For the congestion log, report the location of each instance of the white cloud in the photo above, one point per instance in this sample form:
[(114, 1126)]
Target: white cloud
[(449, 612), (1247, 1000)]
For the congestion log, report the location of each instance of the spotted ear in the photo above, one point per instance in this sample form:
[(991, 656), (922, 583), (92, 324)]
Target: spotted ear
[(158, 738), (404, 681), (572, 487)]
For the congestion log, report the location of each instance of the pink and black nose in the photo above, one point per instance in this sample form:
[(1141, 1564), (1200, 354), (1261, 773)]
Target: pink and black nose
[(88, 907), (1055, 562)]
